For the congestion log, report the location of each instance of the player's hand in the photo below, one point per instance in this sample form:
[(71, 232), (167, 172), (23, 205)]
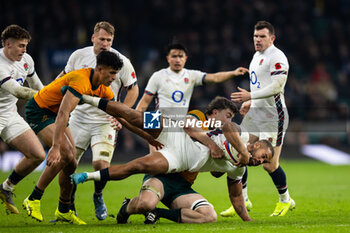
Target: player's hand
[(243, 160), (155, 143), (215, 151), (241, 96), (54, 156), (240, 71), (115, 124), (245, 108)]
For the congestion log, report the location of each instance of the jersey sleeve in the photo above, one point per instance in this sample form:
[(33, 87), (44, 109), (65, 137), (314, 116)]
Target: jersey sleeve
[(152, 85), (127, 74), (77, 84), (279, 65), (198, 77), (5, 74), (71, 62)]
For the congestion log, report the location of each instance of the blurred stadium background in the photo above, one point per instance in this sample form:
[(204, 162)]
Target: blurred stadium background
[(218, 34)]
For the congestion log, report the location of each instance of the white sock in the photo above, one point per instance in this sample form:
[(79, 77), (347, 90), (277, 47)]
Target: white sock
[(7, 185), (94, 176), (284, 198), (91, 100), (245, 194)]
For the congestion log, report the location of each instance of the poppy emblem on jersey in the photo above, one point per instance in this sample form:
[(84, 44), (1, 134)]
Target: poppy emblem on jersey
[(278, 66), (261, 61), (25, 66), (85, 66), (186, 80), (133, 75)]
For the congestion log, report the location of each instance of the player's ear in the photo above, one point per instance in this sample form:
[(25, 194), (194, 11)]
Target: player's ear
[(93, 37)]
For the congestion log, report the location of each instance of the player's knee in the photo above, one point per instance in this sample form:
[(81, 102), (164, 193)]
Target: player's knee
[(67, 153), (270, 167), (211, 216), (143, 206)]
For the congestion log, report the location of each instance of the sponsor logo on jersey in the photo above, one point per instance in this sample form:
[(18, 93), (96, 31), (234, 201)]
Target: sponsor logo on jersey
[(186, 80), (151, 120), (278, 66), (25, 66), (133, 75), (261, 61)]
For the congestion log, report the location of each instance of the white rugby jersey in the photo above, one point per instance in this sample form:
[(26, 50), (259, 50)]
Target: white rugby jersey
[(224, 165), (174, 90), (18, 70), (264, 67), (126, 77)]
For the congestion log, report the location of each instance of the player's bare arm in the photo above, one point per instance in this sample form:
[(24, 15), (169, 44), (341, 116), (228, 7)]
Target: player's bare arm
[(232, 134), (236, 198), (69, 102), (199, 134), (144, 102), (131, 96), (223, 76)]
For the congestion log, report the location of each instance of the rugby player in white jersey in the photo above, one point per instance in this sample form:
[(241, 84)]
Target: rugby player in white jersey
[(16, 67), (182, 153), (90, 125), (265, 111), (173, 86)]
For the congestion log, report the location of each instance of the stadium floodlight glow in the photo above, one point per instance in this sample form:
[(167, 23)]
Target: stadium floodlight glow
[(326, 154)]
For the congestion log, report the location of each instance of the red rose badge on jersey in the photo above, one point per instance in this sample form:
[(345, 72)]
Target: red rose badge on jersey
[(133, 75), (261, 61), (278, 66), (25, 66), (186, 80)]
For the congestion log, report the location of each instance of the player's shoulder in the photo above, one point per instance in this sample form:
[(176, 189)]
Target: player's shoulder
[(198, 114), (27, 59), (86, 51), (161, 72), (276, 52)]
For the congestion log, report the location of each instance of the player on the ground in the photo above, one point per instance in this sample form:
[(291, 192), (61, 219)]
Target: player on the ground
[(179, 149), (90, 125), (174, 190), (266, 115), (16, 67), (48, 114)]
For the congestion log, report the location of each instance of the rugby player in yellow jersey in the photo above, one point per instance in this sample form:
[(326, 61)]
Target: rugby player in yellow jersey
[(48, 113), (174, 190)]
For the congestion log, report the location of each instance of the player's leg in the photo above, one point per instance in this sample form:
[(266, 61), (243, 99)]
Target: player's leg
[(151, 193), (275, 133), (194, 209), (102, 146), (82, 137), (19, 135), (153, 163), (279, 178)]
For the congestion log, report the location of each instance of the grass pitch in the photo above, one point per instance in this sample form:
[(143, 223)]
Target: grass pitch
[(321, 192)]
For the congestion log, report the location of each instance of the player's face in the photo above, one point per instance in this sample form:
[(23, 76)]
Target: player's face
[(260, 155), (177, 60), (101, 41), (223, 116), (262, 39), (16, 49), (108, 75)]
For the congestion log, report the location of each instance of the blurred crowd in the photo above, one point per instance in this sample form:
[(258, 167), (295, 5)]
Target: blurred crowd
[(219, 36)]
